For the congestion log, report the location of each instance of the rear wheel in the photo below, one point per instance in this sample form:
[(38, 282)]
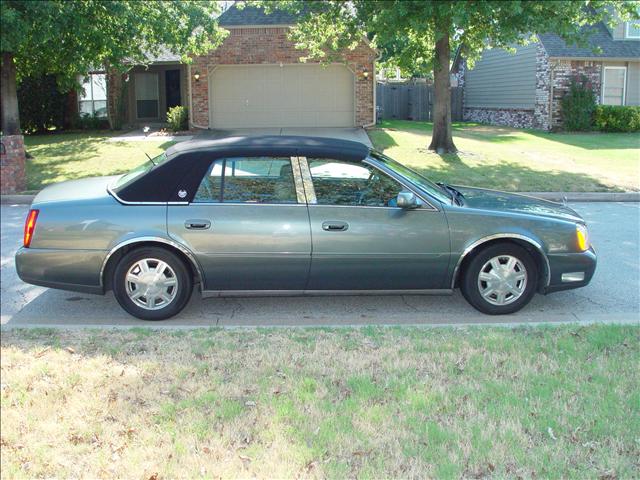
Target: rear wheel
[(152, 283), (500, 279)]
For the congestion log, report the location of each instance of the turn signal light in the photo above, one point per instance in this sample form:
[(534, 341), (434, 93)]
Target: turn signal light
[(582, 237), (29, 227)]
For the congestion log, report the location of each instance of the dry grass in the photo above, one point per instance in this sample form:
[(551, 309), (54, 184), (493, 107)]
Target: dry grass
[(366, 403)]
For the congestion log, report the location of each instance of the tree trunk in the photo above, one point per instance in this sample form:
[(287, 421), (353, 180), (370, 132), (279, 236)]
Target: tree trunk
[(10, 115), (442, 140)]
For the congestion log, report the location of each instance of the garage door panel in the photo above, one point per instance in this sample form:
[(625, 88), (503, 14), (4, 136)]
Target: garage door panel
[(282, 96)]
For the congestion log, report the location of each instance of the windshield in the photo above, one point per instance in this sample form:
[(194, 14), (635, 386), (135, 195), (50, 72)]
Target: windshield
[(139, 171), (421, 182)]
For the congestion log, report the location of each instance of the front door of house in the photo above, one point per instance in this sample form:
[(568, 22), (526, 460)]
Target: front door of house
[(172, 86)]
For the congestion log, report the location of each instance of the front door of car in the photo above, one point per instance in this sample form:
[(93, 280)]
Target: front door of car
[(247, 225), (362, 240)]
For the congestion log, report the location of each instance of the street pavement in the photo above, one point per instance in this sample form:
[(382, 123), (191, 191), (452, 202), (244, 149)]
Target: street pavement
[(612, 296)]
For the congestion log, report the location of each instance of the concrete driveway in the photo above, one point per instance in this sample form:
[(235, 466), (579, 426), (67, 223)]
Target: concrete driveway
[(612, 296), (354, 134)]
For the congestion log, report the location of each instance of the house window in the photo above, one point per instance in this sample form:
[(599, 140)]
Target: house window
[(146, 95), (633, 29), (92, 100), (614, 84)]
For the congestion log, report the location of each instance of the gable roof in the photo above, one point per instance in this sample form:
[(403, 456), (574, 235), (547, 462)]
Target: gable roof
[(250, 15), (598, 36)]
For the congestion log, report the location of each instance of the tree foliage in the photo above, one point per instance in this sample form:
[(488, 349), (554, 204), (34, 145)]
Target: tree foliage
[(408, 31), (70, 37)]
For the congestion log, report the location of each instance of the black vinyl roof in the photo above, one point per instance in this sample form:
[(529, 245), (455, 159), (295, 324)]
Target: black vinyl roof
[(276, 145), (187, 162)]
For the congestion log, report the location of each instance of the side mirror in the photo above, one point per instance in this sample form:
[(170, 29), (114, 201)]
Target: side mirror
[(407, 200)]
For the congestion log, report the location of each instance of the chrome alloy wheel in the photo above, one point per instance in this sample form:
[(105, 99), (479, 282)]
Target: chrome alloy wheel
[(151, 284), (502, 280)]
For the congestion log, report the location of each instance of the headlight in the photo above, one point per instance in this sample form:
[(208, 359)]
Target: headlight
[(582, 237)]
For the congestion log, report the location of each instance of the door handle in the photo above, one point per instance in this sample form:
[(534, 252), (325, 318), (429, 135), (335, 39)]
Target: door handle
[(197, 224), (335, 226)]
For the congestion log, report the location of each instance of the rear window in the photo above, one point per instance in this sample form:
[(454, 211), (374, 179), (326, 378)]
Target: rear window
[(140, 170), (248, 180)]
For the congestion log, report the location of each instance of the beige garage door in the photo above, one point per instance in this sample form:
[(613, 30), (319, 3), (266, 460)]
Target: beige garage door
[(281, 96)]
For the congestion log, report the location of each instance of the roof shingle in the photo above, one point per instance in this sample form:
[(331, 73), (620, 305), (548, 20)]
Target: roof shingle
[(598, 36), (249, 15)]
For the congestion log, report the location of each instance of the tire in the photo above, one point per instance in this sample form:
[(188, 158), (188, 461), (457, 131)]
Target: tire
[(500, 290), (147, 293)]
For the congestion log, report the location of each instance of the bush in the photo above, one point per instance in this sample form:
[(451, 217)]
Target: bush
[(178, 118), (89, 122), (578, 106), (614, 118), (42, 104)]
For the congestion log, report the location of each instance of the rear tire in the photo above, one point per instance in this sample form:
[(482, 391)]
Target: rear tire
[(152, 283), (500, 279)]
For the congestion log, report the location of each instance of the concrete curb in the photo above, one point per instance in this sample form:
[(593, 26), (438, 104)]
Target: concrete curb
[(553, 196)]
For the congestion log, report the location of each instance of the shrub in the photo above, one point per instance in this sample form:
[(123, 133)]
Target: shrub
[(177, 118), (615, 118), (578, 105), (89, 122), (42, 104)]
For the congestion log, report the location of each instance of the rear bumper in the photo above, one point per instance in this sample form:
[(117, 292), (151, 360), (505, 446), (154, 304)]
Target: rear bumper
[(75, 270), (567, 269)]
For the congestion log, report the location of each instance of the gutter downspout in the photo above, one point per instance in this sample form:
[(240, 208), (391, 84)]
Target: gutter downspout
[(191, 124), (552, 71)]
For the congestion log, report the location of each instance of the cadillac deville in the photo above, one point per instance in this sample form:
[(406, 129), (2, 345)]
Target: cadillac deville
[(294, 216)]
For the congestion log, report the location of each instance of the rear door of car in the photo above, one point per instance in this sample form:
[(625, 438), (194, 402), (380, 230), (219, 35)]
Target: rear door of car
[(247, 225), (362, 240)]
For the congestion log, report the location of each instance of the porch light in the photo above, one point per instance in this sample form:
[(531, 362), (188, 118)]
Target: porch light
[(365, 73), (196, 76)]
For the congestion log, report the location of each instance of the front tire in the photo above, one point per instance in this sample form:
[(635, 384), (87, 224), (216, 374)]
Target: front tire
[(500, 279), (152, 283)]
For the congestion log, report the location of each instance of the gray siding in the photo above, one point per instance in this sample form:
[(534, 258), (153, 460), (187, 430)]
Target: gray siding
[(618, 31), (502, 80)]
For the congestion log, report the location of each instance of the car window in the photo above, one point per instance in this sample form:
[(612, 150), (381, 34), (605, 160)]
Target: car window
[(248, 180), (348, 183)]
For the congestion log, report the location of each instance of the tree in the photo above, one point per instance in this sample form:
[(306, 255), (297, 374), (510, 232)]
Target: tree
[(71, 37), (421, 34)]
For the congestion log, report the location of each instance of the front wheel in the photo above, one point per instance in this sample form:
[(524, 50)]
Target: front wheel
[(500, 279), (152, 283)]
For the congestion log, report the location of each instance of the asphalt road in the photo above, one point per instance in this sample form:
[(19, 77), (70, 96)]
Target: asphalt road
[(612, 296)]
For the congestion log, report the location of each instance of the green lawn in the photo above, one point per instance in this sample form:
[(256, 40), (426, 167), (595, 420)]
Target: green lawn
[(517, 160), (371, 402), (68, 156)]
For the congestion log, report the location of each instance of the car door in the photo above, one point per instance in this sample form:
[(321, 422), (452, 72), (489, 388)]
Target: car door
[(362, 240), (247, 225)]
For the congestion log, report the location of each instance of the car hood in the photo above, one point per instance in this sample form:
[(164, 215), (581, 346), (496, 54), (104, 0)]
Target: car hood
[(483, 199), (84, 189)]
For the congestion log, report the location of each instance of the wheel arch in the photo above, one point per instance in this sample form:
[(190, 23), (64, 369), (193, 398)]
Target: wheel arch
[(532, 246), (117, 252)]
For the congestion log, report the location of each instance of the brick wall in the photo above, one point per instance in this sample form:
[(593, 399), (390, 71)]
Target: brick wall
[(246, 46), (563, 71), (12, 159)]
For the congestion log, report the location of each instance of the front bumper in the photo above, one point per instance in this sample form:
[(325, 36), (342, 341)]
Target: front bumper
[(570, 265), (75, 270)]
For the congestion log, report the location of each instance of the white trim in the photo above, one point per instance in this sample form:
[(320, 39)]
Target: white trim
[(624, 84), (626, 31)]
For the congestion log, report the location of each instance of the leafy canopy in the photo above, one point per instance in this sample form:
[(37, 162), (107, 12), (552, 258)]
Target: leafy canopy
[(67, 37), (406, 31)]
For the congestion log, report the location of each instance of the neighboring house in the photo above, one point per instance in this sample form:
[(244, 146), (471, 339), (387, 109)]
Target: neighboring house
[(524, 89), (254, 79)]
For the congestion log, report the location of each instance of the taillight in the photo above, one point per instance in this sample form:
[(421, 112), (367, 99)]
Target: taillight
[(30, 226)]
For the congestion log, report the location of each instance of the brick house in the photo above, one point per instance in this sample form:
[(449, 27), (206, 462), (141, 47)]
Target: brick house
[(254, 79), (524, 89)]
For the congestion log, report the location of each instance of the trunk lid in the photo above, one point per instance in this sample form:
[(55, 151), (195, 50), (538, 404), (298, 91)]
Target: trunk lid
[(83, 189)]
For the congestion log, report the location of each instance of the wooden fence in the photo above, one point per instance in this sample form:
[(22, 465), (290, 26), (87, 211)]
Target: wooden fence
[(412, 100)]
